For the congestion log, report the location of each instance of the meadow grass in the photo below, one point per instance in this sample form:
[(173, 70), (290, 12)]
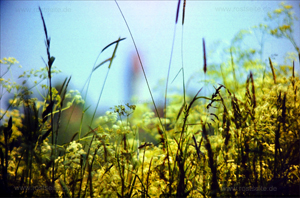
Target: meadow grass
[(242, 141)]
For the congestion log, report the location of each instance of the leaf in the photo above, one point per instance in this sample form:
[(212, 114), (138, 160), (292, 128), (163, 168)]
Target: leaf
[(144, 145), (46, 134), (2, 158), (131, 189), (65, 86), (214, 115), (117, 41), (50, 62), (48, 165), (203, 97), (11, 145), (62, 86), (8, 129), (181, 109), (109, 59), (47, 111), (176, 75), (194, 99), (73, 137), (65, 188), (196, 146), (74, 181)]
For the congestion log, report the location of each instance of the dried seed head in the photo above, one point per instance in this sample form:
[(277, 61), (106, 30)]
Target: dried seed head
[(253, 90), (273, 72), (177, 13), (183, 13), (204, 56)]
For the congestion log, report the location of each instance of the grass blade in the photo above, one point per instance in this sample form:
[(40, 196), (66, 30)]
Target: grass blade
[(176, 75), (102, 63), (117, 41), (196, 146)]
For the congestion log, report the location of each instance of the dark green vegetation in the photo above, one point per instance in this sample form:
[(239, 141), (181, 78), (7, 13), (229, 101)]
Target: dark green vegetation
[(253, 151)]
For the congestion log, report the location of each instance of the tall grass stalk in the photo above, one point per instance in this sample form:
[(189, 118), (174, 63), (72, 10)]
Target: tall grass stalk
[(137, 52), (50, 106), (182, 65)]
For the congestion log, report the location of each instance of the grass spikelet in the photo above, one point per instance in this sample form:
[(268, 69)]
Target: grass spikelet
[(214, 180), (204, 56), (233, 69), (273, 72), (47, 42), (293, 83), (293, 69), (283, 115), (177, 12), (183, 11), (226, 121), (162, 139), (253, 90), (277, 137)]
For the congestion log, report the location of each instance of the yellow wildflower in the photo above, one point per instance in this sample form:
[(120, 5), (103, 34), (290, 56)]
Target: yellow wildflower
[(284, 27), (288, 7), (273, 32), (278, 11)]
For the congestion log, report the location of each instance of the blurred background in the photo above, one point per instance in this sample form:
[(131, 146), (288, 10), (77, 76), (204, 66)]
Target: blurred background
[(79, 30)]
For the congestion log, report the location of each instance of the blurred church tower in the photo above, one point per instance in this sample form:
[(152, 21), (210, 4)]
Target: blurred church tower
[(135, 85), (134, 81)]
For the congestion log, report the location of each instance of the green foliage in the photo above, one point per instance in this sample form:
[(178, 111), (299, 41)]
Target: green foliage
[(243, 141)]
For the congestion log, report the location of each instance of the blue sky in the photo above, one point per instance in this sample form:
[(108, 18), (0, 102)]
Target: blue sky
[(79, 30)]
